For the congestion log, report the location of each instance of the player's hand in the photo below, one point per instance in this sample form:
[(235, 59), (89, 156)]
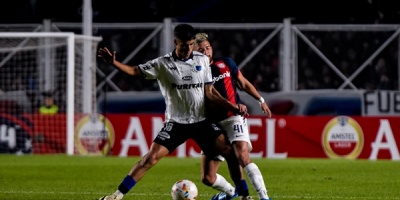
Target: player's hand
[(265, 109), (242, 109), (106, 55)]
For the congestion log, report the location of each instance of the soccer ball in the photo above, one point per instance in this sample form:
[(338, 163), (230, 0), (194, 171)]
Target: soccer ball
[(184, 190)]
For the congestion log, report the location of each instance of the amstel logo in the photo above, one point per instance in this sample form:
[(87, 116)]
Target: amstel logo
[(94, 135), (342, 138)]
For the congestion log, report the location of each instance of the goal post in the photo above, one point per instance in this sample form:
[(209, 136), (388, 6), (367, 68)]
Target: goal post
[(37, 65)]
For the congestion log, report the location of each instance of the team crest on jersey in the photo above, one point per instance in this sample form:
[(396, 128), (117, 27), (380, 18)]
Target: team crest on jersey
[(221, 65), (196, 68)]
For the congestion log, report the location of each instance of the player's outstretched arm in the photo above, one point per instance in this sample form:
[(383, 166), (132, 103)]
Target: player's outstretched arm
[(252, 91), (110, 58)]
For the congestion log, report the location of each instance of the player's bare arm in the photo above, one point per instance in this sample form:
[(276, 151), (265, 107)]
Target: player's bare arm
[(214, 96), (242, 108), (252, 91), (110, 57)]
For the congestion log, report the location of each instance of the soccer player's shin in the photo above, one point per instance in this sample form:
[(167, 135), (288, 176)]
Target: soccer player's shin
[(223, 185), (254, 174)]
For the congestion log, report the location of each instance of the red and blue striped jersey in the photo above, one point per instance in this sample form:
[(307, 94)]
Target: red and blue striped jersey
[(224, 74)]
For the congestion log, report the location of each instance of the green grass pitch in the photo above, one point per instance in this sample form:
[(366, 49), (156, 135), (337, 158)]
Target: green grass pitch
[(61, 177)]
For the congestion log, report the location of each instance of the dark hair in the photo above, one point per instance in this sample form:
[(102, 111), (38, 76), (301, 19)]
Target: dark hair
[(184, 32)]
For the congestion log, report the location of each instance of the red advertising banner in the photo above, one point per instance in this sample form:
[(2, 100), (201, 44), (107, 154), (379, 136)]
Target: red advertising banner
[(349, 137), (281, 137)]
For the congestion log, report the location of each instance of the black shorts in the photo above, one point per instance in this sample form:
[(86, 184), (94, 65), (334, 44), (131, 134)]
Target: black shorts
[(204, 133)]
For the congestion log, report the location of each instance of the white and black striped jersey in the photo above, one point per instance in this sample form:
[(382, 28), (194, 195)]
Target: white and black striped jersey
[(182, 85)]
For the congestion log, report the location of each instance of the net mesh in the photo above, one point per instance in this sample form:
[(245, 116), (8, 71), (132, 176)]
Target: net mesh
[(34, 88)]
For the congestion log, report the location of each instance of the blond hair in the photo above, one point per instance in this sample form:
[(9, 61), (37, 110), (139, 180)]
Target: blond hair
[(201, 37)]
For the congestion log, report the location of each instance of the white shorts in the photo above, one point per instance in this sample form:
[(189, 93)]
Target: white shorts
[(236, 129)]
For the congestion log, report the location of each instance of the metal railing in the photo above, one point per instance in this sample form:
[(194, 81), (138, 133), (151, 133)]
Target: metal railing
[(273, 56)]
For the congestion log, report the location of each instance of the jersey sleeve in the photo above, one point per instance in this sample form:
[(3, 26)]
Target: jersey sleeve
[(150, 69)]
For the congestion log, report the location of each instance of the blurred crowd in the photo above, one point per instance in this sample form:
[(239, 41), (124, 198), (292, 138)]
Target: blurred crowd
[(351, 55), (355, 55), (221, 11), (347, 51)]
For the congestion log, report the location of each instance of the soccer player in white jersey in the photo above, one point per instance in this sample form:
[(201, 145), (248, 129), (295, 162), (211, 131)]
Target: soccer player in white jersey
[(227, 77), (185, 81)]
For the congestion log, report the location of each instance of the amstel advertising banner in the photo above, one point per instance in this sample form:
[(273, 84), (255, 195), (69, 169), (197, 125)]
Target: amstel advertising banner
[(347, 137)]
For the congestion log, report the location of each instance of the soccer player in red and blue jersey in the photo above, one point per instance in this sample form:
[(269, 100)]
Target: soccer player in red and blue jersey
[(227, 78)]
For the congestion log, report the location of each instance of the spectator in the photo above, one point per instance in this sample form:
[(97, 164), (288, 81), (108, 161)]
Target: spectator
[(49, 107)]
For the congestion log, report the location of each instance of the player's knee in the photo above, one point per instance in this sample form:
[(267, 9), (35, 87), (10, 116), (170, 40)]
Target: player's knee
[(244, 159), (226, 151), (222, 146)]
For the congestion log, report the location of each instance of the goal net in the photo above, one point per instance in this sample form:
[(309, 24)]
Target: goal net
[(47, 83)]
